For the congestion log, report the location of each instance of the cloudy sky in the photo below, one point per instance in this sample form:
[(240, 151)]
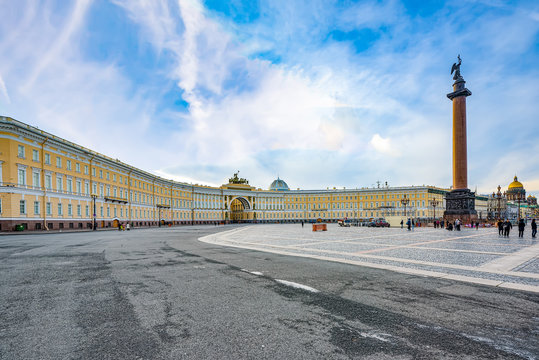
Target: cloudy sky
[(321, 93)]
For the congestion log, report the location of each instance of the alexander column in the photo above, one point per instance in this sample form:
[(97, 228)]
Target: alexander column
[(460, 202)]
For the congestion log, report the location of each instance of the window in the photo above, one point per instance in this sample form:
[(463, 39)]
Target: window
[(87, 189), (20, 152), (79, 187), (93, 171), (48, 181), (114, 177), (121, 180), (22, 207), (108, 211), (35, 180), (77, 167), (48, 159), (101, 211), (35, 155), (58, 162), (101, 174), (108, 175), (79, 210), (95, 189), (0, 205), (59, 209), (86, 169), (87, 210), (48, 208), (59, 184), (22, 176), (68, 164), (36, 207), (69, 186), (69, 209)]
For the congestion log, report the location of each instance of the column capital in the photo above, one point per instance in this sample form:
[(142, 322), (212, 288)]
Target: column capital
[(459, 89)]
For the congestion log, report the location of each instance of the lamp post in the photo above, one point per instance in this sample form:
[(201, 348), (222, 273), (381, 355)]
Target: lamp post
[(498, 196), (520, 197), (434, 203), (405, 201), (94, 226)]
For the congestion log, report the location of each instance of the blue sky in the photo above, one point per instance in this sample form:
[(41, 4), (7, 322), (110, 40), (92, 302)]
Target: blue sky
[(320, 93)]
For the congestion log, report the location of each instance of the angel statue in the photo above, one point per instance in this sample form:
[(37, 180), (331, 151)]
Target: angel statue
[(456, 69)]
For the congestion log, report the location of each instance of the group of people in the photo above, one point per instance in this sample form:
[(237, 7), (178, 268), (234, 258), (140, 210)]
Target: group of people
[(439, 224), (410, 224), (504, 228), (122, 227), (455, 225)]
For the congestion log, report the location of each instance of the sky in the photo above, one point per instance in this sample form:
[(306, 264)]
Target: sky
[(321, 93)]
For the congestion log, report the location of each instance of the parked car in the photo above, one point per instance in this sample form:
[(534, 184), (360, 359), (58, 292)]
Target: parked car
[(382, 223), (378, 223)]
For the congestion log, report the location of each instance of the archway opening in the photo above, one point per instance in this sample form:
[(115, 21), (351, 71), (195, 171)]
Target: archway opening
[(237, 210)]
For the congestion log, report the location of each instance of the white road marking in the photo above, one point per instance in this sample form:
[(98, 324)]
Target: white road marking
[(257, 273), (297, 286)]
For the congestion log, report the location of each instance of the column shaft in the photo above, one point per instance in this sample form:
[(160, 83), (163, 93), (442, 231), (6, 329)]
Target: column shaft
[(460, 164)]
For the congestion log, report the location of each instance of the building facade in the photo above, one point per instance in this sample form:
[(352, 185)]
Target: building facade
[(50, 183)]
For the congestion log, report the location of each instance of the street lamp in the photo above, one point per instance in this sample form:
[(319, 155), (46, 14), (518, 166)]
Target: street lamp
[(520, 196), (434, 203), (405, 201), (498, 196), (94, 226)]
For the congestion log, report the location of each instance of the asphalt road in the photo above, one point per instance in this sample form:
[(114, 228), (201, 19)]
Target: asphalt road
[(161, 294)]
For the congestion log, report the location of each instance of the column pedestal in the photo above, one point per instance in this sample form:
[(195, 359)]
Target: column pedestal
[(460, 204)]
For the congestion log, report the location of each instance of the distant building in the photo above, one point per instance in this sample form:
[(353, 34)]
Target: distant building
[(518, 203), (47, 182)]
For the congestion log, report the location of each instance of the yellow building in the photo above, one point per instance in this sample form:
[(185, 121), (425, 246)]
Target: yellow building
[(51, 183)]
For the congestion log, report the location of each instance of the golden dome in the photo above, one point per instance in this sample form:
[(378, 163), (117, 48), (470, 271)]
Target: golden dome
[(516, 184)]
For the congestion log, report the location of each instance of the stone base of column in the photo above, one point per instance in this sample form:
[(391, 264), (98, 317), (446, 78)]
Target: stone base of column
[(460, 204)]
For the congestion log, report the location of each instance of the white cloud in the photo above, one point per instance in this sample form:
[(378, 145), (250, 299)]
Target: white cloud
[(382, 145)]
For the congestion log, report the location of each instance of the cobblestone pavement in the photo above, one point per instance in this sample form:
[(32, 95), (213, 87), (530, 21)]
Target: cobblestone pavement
[(478, 256)]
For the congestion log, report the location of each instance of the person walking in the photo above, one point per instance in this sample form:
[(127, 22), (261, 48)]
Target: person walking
[(413, 225), (500, 227), (477, 225), (302, 224), (402, 224), (442, 224), (507, 226), (521, 226), (534, 228), (409, 224)]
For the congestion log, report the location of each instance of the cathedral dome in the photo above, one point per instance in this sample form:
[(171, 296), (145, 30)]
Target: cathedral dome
[(515, 191), (279, 185), (516, 184)]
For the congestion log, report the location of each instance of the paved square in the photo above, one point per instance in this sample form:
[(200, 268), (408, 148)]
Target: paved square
[(479, 256)]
